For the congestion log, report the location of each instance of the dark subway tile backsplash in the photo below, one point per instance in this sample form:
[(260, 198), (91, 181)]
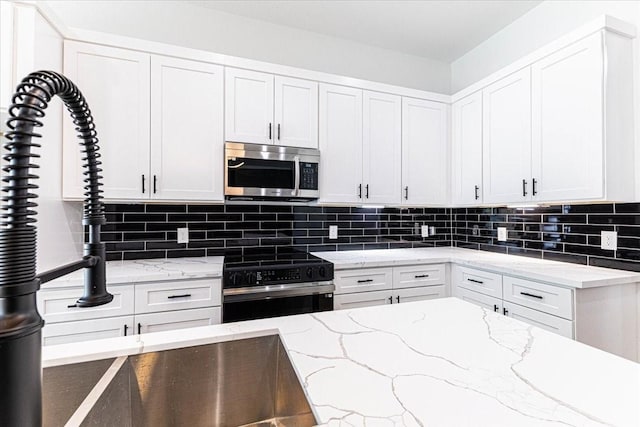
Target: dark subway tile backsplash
[(569, 233)]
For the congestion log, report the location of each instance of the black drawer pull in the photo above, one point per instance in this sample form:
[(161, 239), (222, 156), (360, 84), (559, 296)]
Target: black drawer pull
[(495, 308), (421, 276), (365, 281), (72, 306), (398, 299), (531, 295), (139, 328), (505, 311), (390, 300), (125, 330), (179, 296), (476, 281)]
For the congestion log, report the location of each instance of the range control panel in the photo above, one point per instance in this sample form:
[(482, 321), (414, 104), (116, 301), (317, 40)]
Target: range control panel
[(243, 277)]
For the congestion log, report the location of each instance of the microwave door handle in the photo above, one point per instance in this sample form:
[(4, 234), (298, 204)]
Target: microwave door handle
[(239, 165), (296, 188)]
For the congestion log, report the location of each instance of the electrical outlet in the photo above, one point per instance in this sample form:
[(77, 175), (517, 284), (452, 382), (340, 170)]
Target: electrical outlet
[(333, 231), (425, 231), (502, 234), (432, 231), (609, 240), (183, 235), (475, 230)]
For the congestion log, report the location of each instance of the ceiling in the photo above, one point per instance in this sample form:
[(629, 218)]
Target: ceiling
[(441, 30)]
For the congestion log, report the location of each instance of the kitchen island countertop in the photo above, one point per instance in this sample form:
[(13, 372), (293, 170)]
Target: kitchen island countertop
[(440, 363)]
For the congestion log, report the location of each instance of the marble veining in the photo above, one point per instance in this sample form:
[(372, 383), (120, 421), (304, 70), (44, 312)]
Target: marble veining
[(430, 363)]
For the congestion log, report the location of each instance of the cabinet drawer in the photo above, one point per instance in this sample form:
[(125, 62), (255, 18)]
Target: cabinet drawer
[(374, 279), (482, 300), (166, 296), (539, 296), (169, 321), (361, 299), (58, 305), (419, 275), (479, 281), (541, 320), (420, 293), (85, 330)]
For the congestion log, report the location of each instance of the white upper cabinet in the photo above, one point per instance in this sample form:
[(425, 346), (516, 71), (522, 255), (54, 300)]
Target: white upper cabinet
[(507, 139), (340, 144), (296, 112), (263, 109), (382, 147), (467, 150), (568, 130), (248, 106), (425, 152), (186, 130), (116, 84)]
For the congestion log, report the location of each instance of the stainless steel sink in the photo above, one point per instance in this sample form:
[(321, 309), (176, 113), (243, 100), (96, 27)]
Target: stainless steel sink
[(247, 382)]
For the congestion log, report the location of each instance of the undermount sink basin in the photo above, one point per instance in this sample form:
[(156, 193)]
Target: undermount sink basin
[(247, 382)]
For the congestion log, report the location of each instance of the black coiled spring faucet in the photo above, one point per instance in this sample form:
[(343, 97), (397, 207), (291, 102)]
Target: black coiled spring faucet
[(20, 322)]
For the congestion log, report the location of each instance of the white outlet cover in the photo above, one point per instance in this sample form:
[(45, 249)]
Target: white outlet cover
[(502, 234), (333, 231), (425, 231), (432, 230), (609, 240), (183, 235)]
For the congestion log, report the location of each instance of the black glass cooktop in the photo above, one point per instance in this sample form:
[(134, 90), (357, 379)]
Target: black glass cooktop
[(270, 258)]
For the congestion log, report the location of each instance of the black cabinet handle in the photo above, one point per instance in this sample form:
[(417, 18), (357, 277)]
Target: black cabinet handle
[(155, 184), (278, 131), (365, 281), (524, 188), (390, 300), (367, 188), (505, 311), (495, 307), (420, 276), (406, 193), (125, 330), (179, 296), (139, 328), (398, 299), (531, 295), (534, 191), (476, 192), (476, 281), (269, 130), (360, 191), (143, 183)]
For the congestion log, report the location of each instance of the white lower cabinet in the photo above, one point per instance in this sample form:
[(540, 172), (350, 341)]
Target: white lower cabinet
[(172, 320), (85, 330), (485, 301), (545, 321), (378, 286), (135, 309)]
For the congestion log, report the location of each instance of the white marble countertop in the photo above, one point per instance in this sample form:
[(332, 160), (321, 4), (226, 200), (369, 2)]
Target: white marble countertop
[(561, 273), (439, 363), (150, 270)]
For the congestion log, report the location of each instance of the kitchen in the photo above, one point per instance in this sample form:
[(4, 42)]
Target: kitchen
[(505, 176)]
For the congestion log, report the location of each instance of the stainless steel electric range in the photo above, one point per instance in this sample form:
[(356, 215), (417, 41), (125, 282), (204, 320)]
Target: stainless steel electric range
[(270, 284)]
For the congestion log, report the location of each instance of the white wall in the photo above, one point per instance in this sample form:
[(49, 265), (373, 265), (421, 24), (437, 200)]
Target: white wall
[(541, 25), (201, 28)]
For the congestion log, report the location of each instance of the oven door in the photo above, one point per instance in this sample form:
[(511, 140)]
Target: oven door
[(283, 301)]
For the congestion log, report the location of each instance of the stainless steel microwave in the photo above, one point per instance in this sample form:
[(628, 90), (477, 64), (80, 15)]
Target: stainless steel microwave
[(269, 172)]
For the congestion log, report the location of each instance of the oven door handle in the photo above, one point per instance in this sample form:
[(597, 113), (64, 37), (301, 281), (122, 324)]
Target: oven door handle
[(296, 188), (276, 291)]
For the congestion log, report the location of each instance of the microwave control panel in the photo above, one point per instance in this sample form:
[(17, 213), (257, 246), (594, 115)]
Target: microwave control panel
[(308, 176)]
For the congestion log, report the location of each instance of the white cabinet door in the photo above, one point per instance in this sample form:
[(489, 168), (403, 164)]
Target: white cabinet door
[(248, 106), (490, 303), (425, 152), (296, 112), (382, 145), (85, 330), (177, 295), (186, 130), (116, 84), (419, 294), (567, 122), (467, 150), (361, 299), (340, 144), (172, 320), (507, 139), (541, 320)]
